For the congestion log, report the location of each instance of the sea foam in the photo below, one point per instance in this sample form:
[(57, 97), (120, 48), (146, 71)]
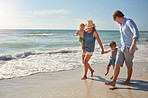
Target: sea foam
[(28, 63)]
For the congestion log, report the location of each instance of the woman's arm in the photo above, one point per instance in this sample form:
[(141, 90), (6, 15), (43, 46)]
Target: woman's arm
[(99, 41)]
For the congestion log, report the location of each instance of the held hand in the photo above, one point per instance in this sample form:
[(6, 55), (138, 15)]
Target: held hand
[(132, 50), (102, 52)]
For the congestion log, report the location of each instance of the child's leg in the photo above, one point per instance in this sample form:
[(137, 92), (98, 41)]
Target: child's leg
[(113, 69), (108, 67)]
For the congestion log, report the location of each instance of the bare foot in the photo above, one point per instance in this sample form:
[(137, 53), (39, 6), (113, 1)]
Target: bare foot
[(111, 77), (110, 84), (84, 78), (125, 82), (92, 73), (106, 73)]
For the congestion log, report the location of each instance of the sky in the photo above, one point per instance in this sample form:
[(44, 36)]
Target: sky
[(68, 14)]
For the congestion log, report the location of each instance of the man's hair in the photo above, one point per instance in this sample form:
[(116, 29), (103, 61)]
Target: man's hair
[(118, 13), (112, 44)]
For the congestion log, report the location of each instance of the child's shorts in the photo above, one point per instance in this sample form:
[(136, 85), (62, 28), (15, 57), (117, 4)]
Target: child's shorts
[(111, 62)]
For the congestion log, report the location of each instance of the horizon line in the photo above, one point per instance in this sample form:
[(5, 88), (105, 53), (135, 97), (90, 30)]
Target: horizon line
[(54, 29), (42, 29)]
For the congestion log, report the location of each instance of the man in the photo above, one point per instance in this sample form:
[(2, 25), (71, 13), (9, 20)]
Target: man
[(129, 37)]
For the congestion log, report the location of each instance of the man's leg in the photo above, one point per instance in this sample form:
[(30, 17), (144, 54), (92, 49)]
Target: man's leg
[(129, 74), (115, 75), (119, 62), (129, 63)]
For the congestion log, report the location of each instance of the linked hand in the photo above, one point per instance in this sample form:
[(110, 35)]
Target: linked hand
[(102, 52)]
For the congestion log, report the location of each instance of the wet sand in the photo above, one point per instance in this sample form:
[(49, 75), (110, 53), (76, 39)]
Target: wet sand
[(68, 84)]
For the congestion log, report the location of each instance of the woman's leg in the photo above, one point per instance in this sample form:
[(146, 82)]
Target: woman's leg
[(83, 55), (89, 67), (86, 66)]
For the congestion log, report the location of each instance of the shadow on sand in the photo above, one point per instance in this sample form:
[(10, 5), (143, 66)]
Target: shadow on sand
[(133, 85)]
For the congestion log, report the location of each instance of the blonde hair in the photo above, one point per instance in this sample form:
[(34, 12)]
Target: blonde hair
[(81, 25)]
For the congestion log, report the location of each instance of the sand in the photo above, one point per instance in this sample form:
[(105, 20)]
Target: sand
[(68, 84)]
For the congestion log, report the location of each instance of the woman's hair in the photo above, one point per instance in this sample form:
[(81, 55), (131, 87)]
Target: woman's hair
[(112, 44), (94, 28), (81, 25)]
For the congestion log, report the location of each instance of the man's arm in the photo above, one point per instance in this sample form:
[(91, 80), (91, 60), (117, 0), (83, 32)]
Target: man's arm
[(132, 48), (136, 35)]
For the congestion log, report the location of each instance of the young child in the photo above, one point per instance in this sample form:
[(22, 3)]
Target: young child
[(80, 32), (112, 59)]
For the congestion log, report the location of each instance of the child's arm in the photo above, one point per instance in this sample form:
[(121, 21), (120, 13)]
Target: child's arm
[(77, 33), (107, 51)]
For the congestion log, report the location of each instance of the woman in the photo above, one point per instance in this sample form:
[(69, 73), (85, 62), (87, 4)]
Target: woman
[(89, 44)]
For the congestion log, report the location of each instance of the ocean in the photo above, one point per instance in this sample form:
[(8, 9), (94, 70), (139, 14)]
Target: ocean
[(26, 52)]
